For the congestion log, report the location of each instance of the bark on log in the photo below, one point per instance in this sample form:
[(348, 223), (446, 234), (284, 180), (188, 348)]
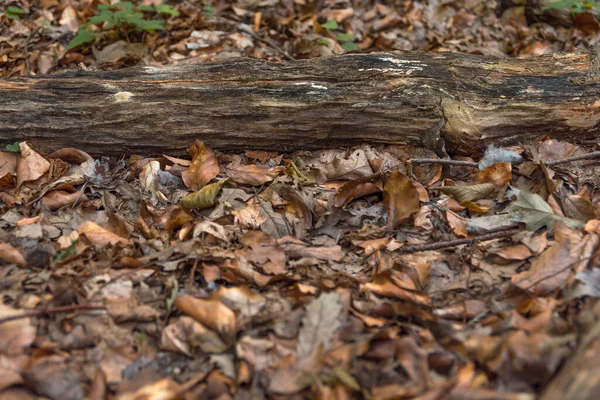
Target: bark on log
[(417, 98)]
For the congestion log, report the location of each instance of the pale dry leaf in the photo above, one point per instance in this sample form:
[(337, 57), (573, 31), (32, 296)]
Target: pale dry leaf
[(16, 335), (98, 235), (468, 192), (319, 324), (30, 166)]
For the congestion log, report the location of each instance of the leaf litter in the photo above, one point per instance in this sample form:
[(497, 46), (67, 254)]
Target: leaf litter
[(260, 287)]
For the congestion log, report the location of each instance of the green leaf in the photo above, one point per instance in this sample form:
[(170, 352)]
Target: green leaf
[(83, 36), (331, 25), (209, 10), (346, 378), (558, 5), (13, 12), (145, 8), (13, 148), (323, 42), (125, 5), (16, 10), (349, 46), (150, 25), (345, 37), (167, 9), (103, 16), (535, 212)]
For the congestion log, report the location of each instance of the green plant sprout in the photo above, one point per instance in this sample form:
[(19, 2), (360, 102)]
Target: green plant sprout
[(13, 148), (346, 39), (121, 15), (13, 12), (576, 6)]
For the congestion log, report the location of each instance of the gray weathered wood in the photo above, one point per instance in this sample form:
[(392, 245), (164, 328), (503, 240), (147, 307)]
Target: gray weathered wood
[(417, 98)]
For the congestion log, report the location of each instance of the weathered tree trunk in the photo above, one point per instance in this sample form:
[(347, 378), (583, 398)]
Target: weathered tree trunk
[(427, 99)]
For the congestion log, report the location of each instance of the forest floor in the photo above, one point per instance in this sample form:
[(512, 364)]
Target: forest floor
[(342, 273)]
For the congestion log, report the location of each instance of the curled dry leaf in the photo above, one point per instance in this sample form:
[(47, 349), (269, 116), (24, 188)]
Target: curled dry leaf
[(401, 199), (356, 189), (150, 181), (241, 299), (11, 255), (59, 198), (203, 198), (204, 168), (498, 174), (469, 192), (251, 174), (580, 208), (185, 335), (474, 207), (71, 155), (31, 165), (99, 236), (210, 313), (399, 287)]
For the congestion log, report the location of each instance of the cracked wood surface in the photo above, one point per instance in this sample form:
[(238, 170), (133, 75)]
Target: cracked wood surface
[(428, 99)]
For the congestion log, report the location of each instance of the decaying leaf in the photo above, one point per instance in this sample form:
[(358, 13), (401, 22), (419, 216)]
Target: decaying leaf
[(203, 198), (469, 192), (319, 324), (401, 199)]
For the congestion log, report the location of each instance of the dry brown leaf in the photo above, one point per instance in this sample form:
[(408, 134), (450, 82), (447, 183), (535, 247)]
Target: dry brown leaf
[(401, 199), (98, 235), (355, 189), (17, 335), (11, 255), (56, 199), (251, 174), (210, 313), (204, 167), (469, 192)]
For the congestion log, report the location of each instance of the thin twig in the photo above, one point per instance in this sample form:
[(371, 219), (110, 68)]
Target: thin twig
[(26, 49), (587, 156), (246, 29), (443, 161), (457, 242), (51, 310)]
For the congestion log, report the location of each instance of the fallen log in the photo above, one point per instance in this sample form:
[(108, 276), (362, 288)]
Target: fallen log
[(464, 102)]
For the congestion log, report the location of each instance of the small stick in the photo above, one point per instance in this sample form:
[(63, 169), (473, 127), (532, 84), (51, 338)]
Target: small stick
[(587, 156), (246, 29), (51, 310), (443, 161), (456, 242), (26, 49)]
